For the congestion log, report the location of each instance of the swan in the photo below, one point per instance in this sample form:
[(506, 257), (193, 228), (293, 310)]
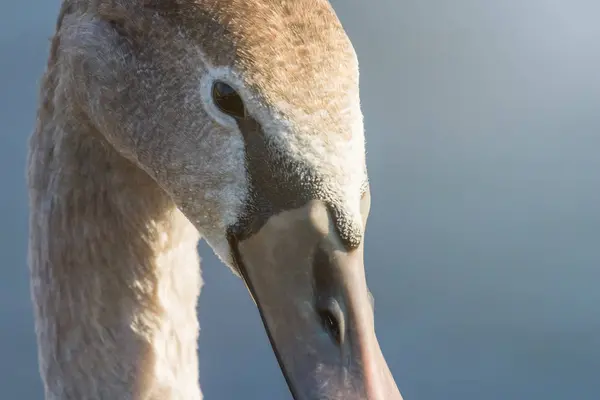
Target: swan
[(161, 122)]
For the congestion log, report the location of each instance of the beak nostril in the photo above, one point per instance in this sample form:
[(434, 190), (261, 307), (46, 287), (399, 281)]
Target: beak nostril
[(328, 295), (331, 324), (333, 321)]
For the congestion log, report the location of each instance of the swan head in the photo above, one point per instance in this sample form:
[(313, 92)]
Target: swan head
[(247, 114)]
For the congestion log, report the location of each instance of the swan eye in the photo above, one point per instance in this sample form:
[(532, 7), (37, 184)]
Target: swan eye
[(228, 100)]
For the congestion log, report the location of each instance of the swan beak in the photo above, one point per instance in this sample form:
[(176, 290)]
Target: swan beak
[(314, 302)]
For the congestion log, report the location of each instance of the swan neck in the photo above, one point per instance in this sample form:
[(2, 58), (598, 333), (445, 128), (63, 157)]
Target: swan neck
[(114, 268)]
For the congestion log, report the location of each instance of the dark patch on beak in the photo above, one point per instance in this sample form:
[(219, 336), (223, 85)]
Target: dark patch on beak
[(279, 183), (313, 299)]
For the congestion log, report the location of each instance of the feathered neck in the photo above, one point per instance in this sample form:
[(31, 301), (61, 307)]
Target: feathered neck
[(114, 267)]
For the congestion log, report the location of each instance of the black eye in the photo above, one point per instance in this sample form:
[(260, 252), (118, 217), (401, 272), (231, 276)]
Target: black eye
[(228, 100)]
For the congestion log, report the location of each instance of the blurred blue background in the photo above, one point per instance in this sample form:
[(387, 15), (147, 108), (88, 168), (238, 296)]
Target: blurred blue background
[(483, 246)]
